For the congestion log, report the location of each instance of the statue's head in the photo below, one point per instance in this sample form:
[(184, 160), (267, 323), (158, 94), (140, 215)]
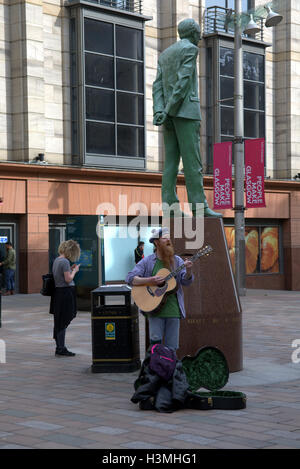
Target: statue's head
[(189, 29)]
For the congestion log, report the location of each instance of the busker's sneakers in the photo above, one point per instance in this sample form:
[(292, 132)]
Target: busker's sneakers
[(64, 353)]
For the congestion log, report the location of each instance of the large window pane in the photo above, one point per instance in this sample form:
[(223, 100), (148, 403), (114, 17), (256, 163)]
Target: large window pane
[(130, 109), (254, 67), (262, 129), (227, 90), (130, 76), (130, 141), (270, 250), (254, 124), (98, 36), (129, 43), (252, 249), (100, 105), (213, 3), (100, 138), (226, 62), (246, 4), (227, 121), (254, 96), (99, 70)]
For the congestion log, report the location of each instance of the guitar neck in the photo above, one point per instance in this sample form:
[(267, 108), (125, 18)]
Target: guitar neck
[(182, 266)]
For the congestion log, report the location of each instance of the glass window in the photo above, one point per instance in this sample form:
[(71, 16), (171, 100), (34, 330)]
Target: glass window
[(99, 70), (130, 109), (246, 4), (254, 95), (254, 124), (269, 245), (262, 253), (98, 36), (254, 67), (226, 62), (100, 138), (227, 90), (129, 43), (227, 121), (130, 141), (130, 76), (100, 105), (215, 3), (114, 90)]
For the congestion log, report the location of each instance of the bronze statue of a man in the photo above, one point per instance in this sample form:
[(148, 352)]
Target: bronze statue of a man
[(176, 105)]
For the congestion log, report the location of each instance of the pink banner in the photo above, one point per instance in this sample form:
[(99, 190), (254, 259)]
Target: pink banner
[(255, 172), (223, 175)]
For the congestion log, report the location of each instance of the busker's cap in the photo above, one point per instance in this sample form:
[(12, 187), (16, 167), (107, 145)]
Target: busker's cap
[(158, 233)]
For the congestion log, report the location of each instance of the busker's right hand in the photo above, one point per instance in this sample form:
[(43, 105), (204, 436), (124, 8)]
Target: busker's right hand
[(156, 280)]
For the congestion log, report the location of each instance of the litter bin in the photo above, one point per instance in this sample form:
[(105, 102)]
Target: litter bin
[(115, 330)]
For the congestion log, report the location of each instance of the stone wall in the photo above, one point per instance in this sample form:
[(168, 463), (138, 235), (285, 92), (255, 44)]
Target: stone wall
[(5, 84), (35, 81), (34, 74)]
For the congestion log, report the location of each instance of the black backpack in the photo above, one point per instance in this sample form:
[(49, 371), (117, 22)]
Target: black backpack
[(48, 285)]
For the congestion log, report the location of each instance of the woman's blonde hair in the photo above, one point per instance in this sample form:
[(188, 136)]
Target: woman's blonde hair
[(70, 249)]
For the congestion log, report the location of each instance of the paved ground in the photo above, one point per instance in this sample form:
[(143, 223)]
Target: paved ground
[(51, 402)]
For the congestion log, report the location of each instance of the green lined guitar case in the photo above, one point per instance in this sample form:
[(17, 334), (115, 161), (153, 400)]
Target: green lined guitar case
[(208, 369)]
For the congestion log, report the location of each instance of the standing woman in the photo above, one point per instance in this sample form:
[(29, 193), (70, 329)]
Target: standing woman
[(63, 302)]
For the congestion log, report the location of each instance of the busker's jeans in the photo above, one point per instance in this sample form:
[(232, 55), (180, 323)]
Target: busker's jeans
[(10, 279), (167, 328)]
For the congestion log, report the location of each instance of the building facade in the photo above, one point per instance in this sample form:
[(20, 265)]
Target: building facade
[(76, 123)]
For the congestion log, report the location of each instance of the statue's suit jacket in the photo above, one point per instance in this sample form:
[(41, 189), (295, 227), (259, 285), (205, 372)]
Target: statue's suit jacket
[(175, 89)]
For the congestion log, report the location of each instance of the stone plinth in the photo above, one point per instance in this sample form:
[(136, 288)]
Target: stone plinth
[(214, 314)]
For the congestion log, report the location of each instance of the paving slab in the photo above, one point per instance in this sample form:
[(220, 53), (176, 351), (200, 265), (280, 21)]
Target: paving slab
[(57, 402)]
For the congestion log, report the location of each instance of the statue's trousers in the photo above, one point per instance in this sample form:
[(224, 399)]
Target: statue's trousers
[(182, 139)]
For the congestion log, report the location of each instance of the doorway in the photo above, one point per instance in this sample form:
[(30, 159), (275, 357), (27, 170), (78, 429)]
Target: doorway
[(7, 233), (57, 234)]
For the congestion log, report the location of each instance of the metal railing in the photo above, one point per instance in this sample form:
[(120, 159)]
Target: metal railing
[(134, 6), (217, 20)]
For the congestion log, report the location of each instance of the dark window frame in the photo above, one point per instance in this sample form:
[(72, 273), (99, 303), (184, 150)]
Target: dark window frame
[(214, 107), (80, 155)]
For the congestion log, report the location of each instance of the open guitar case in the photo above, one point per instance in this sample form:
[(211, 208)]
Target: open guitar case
[(208, 369)]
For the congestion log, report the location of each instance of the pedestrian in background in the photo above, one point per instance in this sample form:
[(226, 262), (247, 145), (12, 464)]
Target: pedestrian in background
[(139, 252), (63, 302), (9, 265)]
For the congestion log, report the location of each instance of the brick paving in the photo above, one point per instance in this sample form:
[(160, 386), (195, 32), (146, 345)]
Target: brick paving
[(56, 402)]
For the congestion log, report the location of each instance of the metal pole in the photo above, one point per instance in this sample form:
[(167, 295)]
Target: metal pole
[(239, 220)]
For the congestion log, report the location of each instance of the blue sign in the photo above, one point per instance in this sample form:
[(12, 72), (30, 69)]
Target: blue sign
[(110, 331), (3, 239)]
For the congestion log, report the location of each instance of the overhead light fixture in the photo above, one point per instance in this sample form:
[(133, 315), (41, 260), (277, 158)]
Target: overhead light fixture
[(273, 18), (40, 157), (251, 27)]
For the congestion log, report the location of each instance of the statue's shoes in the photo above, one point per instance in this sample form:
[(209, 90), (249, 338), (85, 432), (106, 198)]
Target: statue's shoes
[(208, 212)]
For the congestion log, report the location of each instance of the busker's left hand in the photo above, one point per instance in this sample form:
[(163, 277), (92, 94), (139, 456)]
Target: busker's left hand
[(188, 264)]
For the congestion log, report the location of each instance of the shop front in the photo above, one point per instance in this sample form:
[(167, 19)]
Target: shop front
[(45, 200)]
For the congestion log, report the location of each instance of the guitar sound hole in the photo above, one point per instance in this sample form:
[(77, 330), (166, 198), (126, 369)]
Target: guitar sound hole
[(161, 285)]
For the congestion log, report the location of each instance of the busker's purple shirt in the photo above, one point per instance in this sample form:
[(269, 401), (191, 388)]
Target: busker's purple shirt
[(145, 267)]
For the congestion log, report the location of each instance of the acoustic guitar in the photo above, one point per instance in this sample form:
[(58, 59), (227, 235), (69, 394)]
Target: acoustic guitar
[(151, 298)]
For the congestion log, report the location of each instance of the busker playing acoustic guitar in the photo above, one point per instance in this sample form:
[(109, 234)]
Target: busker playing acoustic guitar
[(164, 324)]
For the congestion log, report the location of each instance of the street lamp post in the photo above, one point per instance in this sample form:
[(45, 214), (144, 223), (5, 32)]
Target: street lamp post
[(239, 219)]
